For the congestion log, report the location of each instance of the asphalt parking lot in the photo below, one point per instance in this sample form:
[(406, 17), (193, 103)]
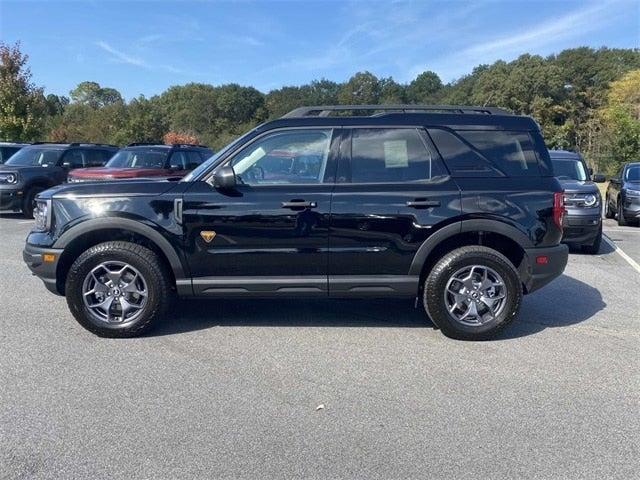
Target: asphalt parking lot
[(231, 390)]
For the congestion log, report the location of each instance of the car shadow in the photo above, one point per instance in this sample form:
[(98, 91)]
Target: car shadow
[(566, 301), (9, 214), (605, 249)]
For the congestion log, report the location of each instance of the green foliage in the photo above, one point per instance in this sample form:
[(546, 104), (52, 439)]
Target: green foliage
[(583, 99), (23, 108)]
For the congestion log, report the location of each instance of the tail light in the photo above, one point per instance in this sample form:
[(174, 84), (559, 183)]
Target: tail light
[(558, 209)]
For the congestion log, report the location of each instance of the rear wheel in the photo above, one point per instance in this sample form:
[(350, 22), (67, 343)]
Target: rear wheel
[(28, 203), (472, 293), (118, 289)]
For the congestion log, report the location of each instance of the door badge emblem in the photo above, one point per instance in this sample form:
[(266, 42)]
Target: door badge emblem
[(207, 235)]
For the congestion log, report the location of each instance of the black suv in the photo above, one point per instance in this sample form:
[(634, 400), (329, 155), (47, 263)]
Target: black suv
[(40, 166), (9, 148), (623, 195), (582, 200), (456, 206)]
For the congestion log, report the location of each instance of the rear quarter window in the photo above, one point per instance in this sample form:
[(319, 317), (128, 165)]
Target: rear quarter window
[(511, 152), (487, 153)]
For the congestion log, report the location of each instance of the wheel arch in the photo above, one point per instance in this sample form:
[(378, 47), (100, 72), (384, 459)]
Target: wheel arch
[(92, 232), (495, 234)]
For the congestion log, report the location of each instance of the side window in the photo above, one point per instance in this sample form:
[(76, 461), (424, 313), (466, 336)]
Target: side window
[(511, 152), (73, 159), (178, 161), (96, 158), (6, 152), (388, 155), (193, 160), (285, 157)]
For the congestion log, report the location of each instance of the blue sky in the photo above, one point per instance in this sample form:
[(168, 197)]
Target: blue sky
[(142, 47)]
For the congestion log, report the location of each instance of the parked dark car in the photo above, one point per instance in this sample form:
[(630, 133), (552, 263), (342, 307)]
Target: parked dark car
[(582, 200), (623, 195), (40, 166), (146, 161), (9, 148), (456, 207)]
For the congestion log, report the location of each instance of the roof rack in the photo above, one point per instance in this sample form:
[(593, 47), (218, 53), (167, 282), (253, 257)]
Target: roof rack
[(325, 110), (76, 144), (141, 144)]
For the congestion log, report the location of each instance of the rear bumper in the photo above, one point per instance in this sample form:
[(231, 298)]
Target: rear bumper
[(536, 275), (44, 270)]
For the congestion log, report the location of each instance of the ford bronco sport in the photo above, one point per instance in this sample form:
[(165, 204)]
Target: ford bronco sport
[(455, 206)]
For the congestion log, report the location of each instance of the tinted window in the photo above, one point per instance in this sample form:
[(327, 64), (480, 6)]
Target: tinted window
[(139, 158), (6, 152), (194, 159), (461, 159), (73, 159), (178, 161), (569, 169), (511, 152), (36, 156), (288, 157), (390, 155), (633, 174), (96, 158)]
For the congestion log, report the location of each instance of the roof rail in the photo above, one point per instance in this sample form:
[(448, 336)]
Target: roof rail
[(141, 144), (325, 110), (78, 144)]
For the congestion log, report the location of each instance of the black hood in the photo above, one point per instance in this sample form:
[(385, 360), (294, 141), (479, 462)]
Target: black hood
[(120, 188), (577, 186)]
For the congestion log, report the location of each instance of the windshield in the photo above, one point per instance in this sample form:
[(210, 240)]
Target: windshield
[(211, 161), (139, 158), (632, 175), (569, 170), (36, 157)]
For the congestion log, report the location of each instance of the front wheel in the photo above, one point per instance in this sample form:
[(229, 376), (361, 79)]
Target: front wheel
[(118, 289), (608, 211), (472, 293), (622, 222), (594, 248)]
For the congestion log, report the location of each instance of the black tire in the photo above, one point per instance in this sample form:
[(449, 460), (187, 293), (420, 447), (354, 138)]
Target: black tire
[(608, 211), (436, 282), (29, 200), (622, 222), (594, 248), (150, 267)]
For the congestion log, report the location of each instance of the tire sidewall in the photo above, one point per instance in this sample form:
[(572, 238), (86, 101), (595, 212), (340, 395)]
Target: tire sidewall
[(87, 262), (29, 199), (434, 301)]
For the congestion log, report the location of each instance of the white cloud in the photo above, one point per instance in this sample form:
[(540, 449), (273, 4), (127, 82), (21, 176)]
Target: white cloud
[(123, 57)]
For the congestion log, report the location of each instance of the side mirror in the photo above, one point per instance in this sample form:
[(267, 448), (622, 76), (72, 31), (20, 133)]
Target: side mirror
[(599, 178), (224, 178), (590, 171)]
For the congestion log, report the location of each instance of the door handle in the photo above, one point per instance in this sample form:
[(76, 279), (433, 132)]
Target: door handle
[(299, 204), (423, 203)]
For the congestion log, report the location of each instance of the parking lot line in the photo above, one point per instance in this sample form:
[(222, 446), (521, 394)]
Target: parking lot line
[(620, 252)]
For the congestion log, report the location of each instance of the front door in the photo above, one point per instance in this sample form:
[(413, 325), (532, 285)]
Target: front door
[(392, 191), (269, 235)]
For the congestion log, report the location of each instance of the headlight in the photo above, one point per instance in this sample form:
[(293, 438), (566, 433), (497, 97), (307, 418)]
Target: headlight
[(633, 193), (9, 178), (42, 215), (590, 200)]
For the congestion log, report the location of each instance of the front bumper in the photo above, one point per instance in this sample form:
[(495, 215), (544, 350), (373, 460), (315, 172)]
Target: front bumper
[(537, 272), (34, 257), (11, 198), (581, 229), (631, 207)]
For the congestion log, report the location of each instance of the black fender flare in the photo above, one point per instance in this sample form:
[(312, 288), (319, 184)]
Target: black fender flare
[(471, 225), (134, 226)]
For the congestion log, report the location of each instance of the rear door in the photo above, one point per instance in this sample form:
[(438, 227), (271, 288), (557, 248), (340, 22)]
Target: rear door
[(392, 191)]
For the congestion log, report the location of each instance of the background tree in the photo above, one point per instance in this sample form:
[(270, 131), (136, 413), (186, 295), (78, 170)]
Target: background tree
[(95, 96), (424, 88), (23, 108), (361, 89)]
